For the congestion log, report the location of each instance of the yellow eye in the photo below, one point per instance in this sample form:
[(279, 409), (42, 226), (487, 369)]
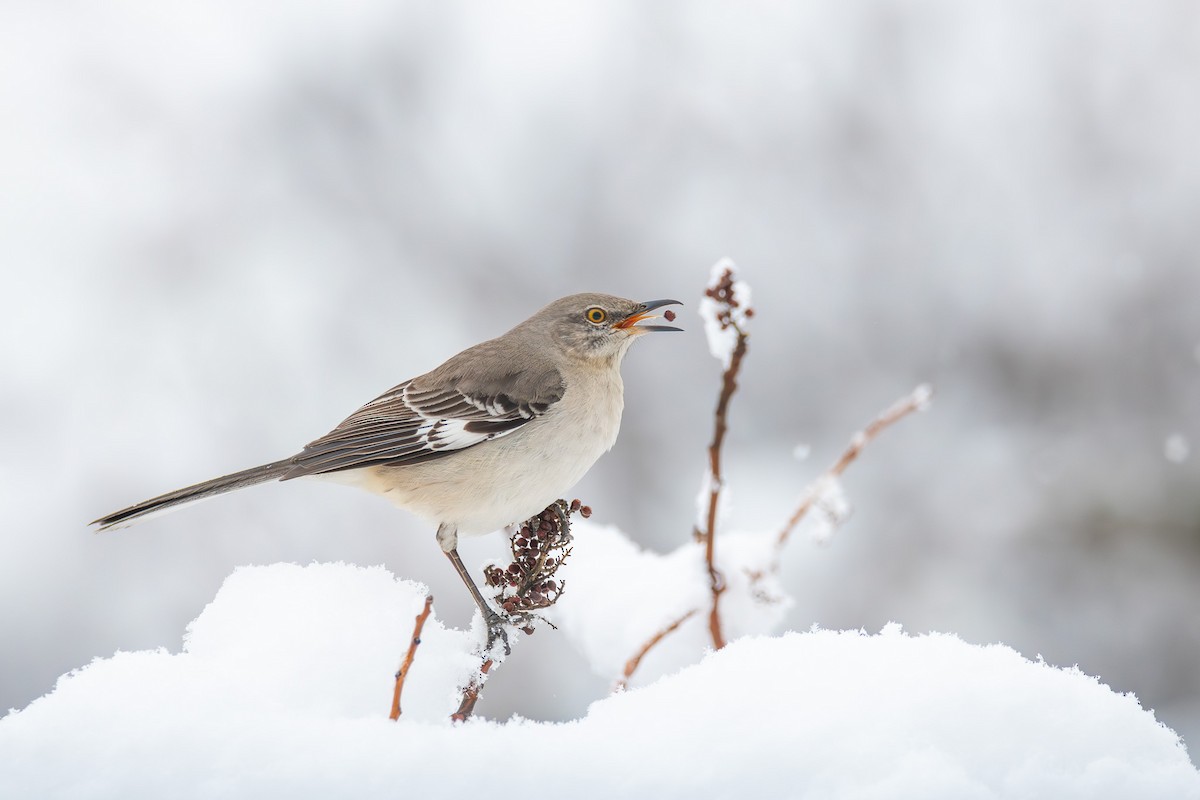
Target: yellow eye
[(596, 315)]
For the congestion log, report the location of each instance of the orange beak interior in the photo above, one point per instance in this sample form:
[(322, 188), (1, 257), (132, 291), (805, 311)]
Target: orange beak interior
[(634, 319)]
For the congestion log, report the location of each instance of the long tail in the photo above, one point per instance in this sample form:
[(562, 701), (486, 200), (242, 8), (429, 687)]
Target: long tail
[(191, 494)]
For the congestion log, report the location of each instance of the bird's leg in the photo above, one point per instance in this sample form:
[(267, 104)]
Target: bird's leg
[(495, 623)]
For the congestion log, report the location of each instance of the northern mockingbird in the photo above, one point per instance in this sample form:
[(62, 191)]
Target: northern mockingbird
[(491, 437)]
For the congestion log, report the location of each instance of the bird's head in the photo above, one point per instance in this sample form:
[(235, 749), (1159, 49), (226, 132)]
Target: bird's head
[(593, 325)]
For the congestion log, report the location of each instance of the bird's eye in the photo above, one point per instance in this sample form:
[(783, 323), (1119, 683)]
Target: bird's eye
[(596, 315)]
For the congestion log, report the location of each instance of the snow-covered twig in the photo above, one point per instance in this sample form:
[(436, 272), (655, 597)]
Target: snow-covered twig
[(539, 547), (632, 664), (402, 673), (918, 400), (470, 693), (725, 308)]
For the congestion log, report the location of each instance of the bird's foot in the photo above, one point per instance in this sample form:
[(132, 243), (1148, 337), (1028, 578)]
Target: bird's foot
[(497, 631)]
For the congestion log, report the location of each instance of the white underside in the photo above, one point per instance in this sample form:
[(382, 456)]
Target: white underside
[(494, 484)]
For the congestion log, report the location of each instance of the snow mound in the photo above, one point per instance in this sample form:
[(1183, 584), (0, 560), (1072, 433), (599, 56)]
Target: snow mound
[(283, 687), (618, 596)]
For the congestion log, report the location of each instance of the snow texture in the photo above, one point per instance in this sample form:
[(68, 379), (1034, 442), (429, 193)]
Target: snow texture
[(619, 596), (283, 686), (829, 510), (722, 340), (922, 396)]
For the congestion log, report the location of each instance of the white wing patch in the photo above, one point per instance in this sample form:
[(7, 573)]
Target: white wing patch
[(452, 434), (408, 425)]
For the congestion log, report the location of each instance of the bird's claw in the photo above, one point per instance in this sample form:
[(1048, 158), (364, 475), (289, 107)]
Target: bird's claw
[(497, 630)]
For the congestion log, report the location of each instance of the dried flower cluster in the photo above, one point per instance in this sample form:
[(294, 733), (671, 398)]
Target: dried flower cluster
[(723, 291), (539, 548)]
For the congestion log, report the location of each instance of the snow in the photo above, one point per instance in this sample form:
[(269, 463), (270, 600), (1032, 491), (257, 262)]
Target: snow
[(723, 339), (284, 681), (830, 509), (619, 595), (922, 396)]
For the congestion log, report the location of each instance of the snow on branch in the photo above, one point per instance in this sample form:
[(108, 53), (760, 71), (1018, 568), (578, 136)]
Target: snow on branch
[(744, 593), (470, 693), (825, 493), (539, 547), (725, 309)]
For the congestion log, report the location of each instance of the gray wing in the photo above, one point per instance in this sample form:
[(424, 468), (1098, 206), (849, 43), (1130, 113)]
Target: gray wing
[(430, 417)]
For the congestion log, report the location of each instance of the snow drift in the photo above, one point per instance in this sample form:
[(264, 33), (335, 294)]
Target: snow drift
[(284, 682)]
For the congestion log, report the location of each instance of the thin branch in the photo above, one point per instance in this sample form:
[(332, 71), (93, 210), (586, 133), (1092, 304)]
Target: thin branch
[(722, 291), (470, 695), (918, 400), (402, 673), (715, 578), (632, 664)]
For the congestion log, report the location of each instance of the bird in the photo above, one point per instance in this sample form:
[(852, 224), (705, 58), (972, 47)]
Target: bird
[(490, 438)]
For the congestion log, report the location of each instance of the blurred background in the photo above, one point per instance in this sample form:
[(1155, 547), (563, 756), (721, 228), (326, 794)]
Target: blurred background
[(224, 226)]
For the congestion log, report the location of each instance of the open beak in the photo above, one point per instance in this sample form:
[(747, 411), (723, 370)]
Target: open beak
[(643, 312)]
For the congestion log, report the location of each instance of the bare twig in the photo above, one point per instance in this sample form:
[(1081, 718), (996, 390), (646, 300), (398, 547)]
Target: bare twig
[(632, 664), (722, 291), (470, 695), (402, 673), (715, 578), (915, 401)]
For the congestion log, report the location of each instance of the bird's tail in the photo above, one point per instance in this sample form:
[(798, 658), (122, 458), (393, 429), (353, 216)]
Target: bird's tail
[(191, 494)]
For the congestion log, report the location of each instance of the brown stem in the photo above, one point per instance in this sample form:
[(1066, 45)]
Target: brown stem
[(632, 664), (715, 579), (408, 658), (470, 695), (900, 409)]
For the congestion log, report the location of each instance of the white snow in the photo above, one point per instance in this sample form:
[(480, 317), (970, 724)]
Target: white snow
[(922, 396), (721, 341), (829, 510), (283, 687), (618, 596)]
